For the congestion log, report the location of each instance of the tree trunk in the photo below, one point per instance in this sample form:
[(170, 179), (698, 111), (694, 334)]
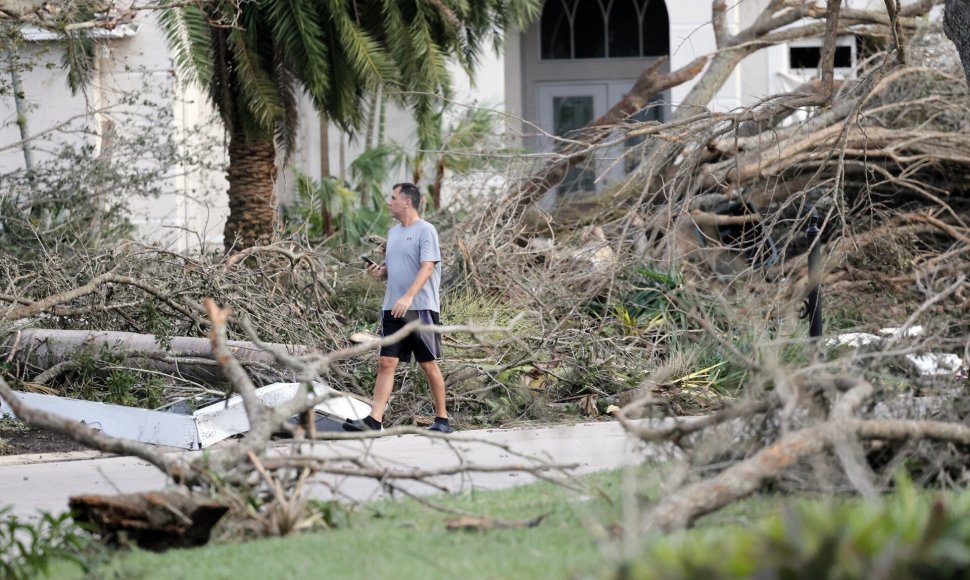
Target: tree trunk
[(252, 195), (439, 180), (187, 357), (956, 25)]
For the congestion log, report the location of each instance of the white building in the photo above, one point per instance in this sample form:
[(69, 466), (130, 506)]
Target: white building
[(133, 90), (566, 69)]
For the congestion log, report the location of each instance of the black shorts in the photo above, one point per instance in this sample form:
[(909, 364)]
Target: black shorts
[(425, 345)]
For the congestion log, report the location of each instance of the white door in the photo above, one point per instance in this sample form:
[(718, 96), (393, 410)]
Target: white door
[(563, 109), (566, 107)]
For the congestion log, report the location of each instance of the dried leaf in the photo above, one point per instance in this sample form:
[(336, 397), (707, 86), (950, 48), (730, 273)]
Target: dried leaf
[(362, 337), (473, 523)]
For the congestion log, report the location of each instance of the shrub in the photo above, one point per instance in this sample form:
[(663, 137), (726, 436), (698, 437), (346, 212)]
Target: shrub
[(905, 535), (29, 549)]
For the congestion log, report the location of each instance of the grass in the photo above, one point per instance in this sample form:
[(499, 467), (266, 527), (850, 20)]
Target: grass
[(405, 539), (582, 534)]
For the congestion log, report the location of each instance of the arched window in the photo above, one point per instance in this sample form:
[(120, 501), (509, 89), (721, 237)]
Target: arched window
[(572, 29)]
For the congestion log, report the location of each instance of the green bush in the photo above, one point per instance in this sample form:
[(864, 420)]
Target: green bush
[(106, 376), (647, 302), (340, 213), (905, 535)]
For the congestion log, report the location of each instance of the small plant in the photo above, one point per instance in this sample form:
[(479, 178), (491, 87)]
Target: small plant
[(332, 210), (29, 549), (104, 376), (647, 303), (329, 514), (10, 425)]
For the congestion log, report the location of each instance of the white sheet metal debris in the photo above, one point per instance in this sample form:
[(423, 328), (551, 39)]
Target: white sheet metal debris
[(227, 418), (936, 363), (855, 339), (926, 364), (204, 427), (117, 420)]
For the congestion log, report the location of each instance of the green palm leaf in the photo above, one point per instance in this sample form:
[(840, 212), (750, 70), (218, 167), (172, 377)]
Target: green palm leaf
[(298, 34), (365, 55), (78, 59), (189, 36), (257, 88)]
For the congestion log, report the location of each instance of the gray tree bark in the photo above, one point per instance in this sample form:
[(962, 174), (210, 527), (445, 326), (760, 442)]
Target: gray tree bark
[(188, 357), (956, 25)]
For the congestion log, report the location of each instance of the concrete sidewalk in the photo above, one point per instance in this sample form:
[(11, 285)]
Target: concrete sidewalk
[(32, 483)]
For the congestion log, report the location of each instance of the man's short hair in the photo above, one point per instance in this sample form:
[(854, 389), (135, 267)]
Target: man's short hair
[(411, 191)]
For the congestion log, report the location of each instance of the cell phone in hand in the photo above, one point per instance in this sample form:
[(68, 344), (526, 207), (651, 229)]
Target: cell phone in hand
[(368, 261)]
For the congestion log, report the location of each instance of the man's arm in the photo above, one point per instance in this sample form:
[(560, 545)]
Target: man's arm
[(404, 303)]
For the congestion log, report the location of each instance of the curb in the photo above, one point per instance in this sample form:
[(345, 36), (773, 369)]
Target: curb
[(29, 458)]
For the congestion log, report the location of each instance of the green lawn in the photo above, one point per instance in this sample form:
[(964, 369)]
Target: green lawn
[(405, 539), (909, 533)]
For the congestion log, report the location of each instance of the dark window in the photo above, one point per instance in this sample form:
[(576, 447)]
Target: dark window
[(569, 115), (624, 30), (656, 29), (589, 30), (556, 30), (603, 29), (810, 56)]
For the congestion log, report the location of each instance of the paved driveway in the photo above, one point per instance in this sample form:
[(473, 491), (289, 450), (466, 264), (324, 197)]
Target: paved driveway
[(37, 483)]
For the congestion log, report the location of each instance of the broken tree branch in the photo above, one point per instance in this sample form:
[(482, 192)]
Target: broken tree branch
[(683, 507)]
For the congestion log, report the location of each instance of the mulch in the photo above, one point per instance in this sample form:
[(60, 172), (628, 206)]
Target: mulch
[(20, 441)]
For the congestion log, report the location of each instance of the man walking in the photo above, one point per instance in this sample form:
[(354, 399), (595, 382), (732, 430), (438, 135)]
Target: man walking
[(413, 273)]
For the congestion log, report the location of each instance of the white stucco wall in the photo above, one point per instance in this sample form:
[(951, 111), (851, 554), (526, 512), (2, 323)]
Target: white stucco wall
[(134, 88), (691, 36), (192, 209)]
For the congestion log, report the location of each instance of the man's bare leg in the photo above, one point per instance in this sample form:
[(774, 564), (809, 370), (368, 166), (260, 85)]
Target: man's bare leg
[(386, 366), (436, 382)]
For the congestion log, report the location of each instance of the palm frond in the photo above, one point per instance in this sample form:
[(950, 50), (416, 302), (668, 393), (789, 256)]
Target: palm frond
[(298, 34), (344, 101), (365, 55), (288, 126), (257, 89), (189, 36), (220, 90), (78, 59), (255, 57)]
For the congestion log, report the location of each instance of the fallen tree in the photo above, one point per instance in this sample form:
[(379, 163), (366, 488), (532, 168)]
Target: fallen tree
[(206, 486), (674, 291), (703, 250), (55, 351)]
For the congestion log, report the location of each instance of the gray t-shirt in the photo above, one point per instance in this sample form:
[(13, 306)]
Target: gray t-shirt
[(407, 247)]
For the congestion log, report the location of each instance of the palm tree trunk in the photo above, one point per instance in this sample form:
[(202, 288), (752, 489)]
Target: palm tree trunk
[(252, 195), (439, 180)]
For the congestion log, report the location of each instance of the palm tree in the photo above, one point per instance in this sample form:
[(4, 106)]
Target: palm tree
[(253, 56)]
